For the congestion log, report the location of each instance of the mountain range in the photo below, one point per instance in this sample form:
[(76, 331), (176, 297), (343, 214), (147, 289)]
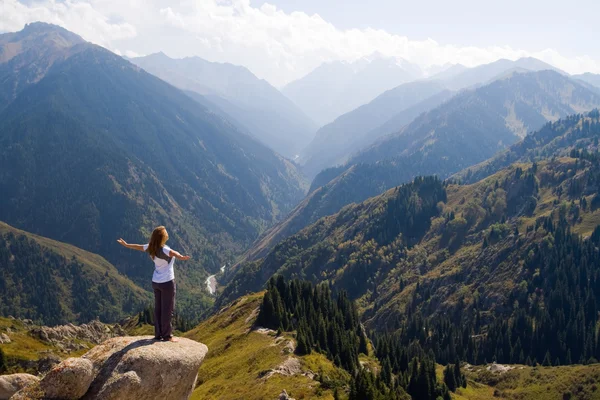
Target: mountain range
[(94, 148), (260, 108), (335, 88), (465, 130), (335, 143), (457, 252)]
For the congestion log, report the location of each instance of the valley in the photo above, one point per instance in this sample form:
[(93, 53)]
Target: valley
[(377, 228)]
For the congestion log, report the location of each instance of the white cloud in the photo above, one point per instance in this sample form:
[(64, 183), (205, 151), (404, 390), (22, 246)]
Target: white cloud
[(275, 45)]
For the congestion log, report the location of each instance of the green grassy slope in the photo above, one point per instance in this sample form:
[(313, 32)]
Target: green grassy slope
[(53, 282), (240, 357)]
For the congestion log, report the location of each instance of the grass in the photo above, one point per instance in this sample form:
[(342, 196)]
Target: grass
[(579, 382), (24, 348), (239, 357)]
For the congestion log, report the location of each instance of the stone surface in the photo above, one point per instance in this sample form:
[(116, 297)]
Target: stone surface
[(137, 368), (4, 339), (132, 368), (63, 336), (284, 396), (69, 380), (10, 384), (46, 363)]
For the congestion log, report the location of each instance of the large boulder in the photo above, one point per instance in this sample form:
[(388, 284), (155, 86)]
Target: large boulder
[(132, 368), (10, 384)]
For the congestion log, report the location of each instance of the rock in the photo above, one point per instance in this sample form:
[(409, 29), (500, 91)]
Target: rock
[(45, 364), (137, 368), (284, 396), (290, 367), (11, 384), (4, 339), (69, 380), (63, 336), (132, 368), (499, 368)]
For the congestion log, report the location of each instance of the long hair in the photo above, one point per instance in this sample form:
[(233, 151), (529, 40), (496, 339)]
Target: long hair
[(157, 241)]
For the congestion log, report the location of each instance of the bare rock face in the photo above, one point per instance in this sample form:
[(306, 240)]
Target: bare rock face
[(285, 396), (141, 368), (4, 339), (132, 368), (69, 380), (10, 384), (63, 336)]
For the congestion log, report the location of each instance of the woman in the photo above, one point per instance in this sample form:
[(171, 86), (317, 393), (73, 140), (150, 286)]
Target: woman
[(163, 280)]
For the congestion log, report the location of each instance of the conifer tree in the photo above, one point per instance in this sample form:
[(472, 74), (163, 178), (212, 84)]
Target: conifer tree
[(3, 362)]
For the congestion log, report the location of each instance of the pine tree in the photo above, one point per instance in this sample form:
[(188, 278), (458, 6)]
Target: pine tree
[(363, 346), (336, 394), (547, 362), (457, 374), (449, 378), (3, 362)]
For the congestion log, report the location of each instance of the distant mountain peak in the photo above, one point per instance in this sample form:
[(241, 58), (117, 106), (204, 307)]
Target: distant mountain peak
[(44, 28)]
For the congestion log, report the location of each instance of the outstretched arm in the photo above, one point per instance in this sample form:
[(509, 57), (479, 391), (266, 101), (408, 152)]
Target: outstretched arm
[(138, 247), (178, 256)]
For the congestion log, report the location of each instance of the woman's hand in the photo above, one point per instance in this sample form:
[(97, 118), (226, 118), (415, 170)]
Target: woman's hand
[(138, 247), (185, 258)]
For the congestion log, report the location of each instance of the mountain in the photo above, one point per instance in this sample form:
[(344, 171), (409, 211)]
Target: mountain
[(556, 139), (97, 149), (475, 124), (461, 260), (592, 79), (53, 282), (335, 142), (27, 56), (447, 71), (336, 88), (485, 73), (349, 185), (442, 141), (266, 113)]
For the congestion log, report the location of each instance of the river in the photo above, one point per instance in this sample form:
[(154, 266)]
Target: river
[(211, 282)]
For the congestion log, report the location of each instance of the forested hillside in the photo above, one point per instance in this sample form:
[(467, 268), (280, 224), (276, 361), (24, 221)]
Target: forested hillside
[(579, 132), (98, 149), (259, 107), (449, 143), (52, 282), (488, 261), (400, 216)]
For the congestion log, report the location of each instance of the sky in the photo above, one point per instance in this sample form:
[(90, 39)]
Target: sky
[(283, 40)]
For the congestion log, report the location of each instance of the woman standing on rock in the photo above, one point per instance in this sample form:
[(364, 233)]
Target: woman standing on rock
[(163, 280)]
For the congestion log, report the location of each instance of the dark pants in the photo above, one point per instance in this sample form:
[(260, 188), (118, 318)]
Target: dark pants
[(164, 304)]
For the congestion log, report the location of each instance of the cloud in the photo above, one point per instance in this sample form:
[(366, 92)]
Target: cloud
[(275, 45)]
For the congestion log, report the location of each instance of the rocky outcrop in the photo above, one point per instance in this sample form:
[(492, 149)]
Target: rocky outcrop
[(11, 384), (132, 368), (285, 396), (66, 337), (4, 339)]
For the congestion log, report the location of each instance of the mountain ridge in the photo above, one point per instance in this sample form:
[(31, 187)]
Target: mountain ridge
[(266, 113)]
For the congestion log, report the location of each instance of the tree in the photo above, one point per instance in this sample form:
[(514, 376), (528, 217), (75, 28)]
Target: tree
[(449, 378), (3, 361)]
